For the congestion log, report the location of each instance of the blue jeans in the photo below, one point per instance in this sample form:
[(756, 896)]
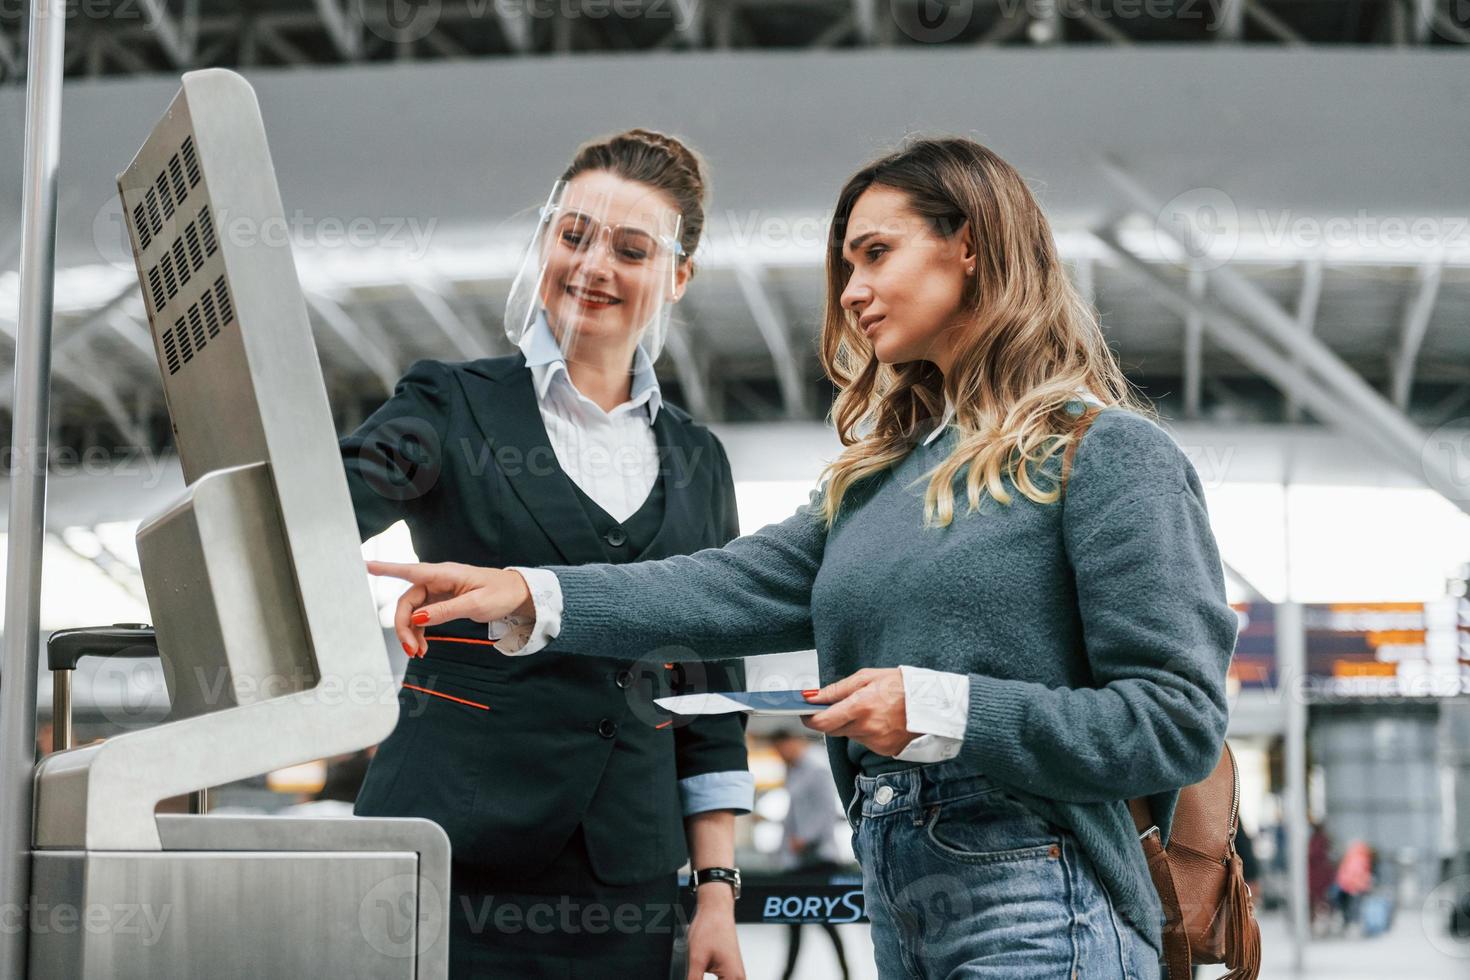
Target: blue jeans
[(962, 881)]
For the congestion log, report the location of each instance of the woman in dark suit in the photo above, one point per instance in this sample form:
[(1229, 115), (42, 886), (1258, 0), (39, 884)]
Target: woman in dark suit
[(570, 800)]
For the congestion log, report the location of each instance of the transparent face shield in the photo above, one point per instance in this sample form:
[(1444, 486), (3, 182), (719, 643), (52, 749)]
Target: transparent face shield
[(603, 265)]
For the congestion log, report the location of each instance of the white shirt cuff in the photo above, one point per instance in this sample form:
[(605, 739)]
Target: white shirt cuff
[(937, 708), (514, 636)]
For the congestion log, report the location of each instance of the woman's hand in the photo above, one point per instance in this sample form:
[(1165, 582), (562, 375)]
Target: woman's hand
[(446, 591), (867, 707), (713, 944)]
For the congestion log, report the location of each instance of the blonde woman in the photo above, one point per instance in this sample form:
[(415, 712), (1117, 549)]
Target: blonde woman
[(1007, 660)]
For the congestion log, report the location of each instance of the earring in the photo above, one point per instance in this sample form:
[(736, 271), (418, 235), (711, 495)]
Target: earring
[(969, 270)]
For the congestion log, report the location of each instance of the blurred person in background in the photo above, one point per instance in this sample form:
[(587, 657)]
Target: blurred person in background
[(1320, 872), (559, 786), (810, 849), (1354, 879), (344, 776), (45, 737), (1005, 665)]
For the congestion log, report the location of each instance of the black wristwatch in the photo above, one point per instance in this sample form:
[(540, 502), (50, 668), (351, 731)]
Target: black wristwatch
[(706, 875)]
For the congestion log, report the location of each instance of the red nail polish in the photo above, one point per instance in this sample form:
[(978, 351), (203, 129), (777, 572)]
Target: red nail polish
[(411, 651), (811, 694), (419, 618)]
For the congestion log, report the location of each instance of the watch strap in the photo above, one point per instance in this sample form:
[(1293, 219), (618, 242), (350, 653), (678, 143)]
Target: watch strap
[(704, 876)]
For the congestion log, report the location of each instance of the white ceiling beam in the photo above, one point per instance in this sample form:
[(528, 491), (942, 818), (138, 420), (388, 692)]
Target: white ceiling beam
[(692, 381), (1412, 328), (272, 40), (373, 357), (1272, 24), (1231, 333), (343, 27), (1355, 396), (468, 341), (9, 60), (1194, 347), (1308, 298), (515, 24), (777, 337), (176, 44), (1230, 20), (1098, 25)]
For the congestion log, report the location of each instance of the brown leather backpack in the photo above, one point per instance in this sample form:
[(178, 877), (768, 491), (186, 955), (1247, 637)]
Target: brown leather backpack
[(1208, 913)]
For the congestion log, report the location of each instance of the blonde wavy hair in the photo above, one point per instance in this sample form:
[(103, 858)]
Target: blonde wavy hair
[(1028, 342)]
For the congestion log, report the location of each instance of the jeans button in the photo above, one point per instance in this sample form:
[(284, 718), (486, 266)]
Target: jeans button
[(607, 728), (884, 796)]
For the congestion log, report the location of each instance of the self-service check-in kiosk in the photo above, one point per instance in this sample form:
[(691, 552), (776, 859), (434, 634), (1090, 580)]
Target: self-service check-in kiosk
[(262, 617)]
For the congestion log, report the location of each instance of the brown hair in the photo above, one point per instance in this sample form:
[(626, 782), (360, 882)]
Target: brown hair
[(1031, 342), (660, 161)]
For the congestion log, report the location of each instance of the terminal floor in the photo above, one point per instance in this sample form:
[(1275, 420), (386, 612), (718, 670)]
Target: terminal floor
[(1408, 952)]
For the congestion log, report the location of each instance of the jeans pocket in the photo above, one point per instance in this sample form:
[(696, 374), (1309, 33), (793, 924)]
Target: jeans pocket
[(989, 827)]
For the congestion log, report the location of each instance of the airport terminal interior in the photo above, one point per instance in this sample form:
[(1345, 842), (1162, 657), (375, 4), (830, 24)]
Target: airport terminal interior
[(1265, 201)]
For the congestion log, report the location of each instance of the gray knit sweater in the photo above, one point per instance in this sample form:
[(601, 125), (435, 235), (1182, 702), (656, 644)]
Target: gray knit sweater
[(1094, 631)]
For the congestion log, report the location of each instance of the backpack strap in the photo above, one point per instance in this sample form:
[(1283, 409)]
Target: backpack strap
[(1176, 940)]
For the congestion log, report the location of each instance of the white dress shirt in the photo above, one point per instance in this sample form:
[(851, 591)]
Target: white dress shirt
[(936, 702), (613, 457)]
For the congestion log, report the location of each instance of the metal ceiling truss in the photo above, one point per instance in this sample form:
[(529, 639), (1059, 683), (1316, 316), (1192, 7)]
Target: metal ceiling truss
[(469, 340), (771, 322), (366, 342), (146, 36), (1247, 322)]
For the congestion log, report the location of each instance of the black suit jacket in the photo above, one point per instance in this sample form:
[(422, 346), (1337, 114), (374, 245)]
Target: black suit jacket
[(511, 754)]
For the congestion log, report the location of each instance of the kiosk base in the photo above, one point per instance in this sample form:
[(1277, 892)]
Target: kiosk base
[(246, 897)]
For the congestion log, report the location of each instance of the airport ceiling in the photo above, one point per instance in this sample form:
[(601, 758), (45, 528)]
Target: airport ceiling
[(142, 36), (1317, 124)]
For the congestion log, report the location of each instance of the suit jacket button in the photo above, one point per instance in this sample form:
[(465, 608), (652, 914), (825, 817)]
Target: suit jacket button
[(617, 537), (624, 678), (607, 728)]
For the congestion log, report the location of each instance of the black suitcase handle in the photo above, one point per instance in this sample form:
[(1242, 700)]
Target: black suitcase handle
[(65, 647)]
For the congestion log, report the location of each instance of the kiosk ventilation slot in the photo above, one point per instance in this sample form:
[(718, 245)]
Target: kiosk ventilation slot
[(180, 261), (203, 322)]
